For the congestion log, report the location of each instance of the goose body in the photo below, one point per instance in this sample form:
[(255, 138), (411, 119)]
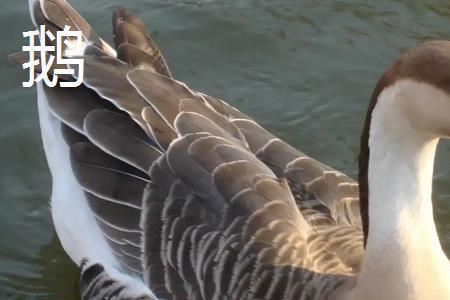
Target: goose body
[(163, 192)]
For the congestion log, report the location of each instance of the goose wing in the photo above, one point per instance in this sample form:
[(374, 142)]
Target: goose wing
[(192, 195), (218, 217), (255, 230)]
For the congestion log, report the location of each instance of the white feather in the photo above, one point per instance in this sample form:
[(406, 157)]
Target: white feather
[(73, 219), (74, 222), (403, 254)]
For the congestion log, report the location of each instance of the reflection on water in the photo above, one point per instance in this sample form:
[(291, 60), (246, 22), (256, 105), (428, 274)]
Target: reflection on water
[(55, 279), (303, 70)]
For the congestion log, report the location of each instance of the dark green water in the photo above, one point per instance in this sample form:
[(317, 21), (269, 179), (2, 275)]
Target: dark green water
[(304, 69)]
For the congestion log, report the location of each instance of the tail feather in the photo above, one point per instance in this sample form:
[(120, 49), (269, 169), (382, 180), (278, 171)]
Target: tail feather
[(56, 14), (97, 283), (134, 44)]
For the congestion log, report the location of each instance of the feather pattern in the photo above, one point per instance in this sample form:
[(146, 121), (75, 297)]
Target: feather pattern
[(195, 199), (134, 44)]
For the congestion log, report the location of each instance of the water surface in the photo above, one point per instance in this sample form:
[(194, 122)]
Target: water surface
[(303, 69)]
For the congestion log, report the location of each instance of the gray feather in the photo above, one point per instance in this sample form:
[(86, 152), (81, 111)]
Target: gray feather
[(119, 136)]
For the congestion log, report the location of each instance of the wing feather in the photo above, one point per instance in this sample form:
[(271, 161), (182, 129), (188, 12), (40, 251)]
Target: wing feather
[(107, 177), (191, 193), (104, 128), (61, 14), (134, 44)]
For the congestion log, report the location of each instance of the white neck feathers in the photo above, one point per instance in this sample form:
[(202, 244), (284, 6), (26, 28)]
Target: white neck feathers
[(403, 258)]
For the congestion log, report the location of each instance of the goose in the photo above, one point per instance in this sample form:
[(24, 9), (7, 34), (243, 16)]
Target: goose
[(163, 192)]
